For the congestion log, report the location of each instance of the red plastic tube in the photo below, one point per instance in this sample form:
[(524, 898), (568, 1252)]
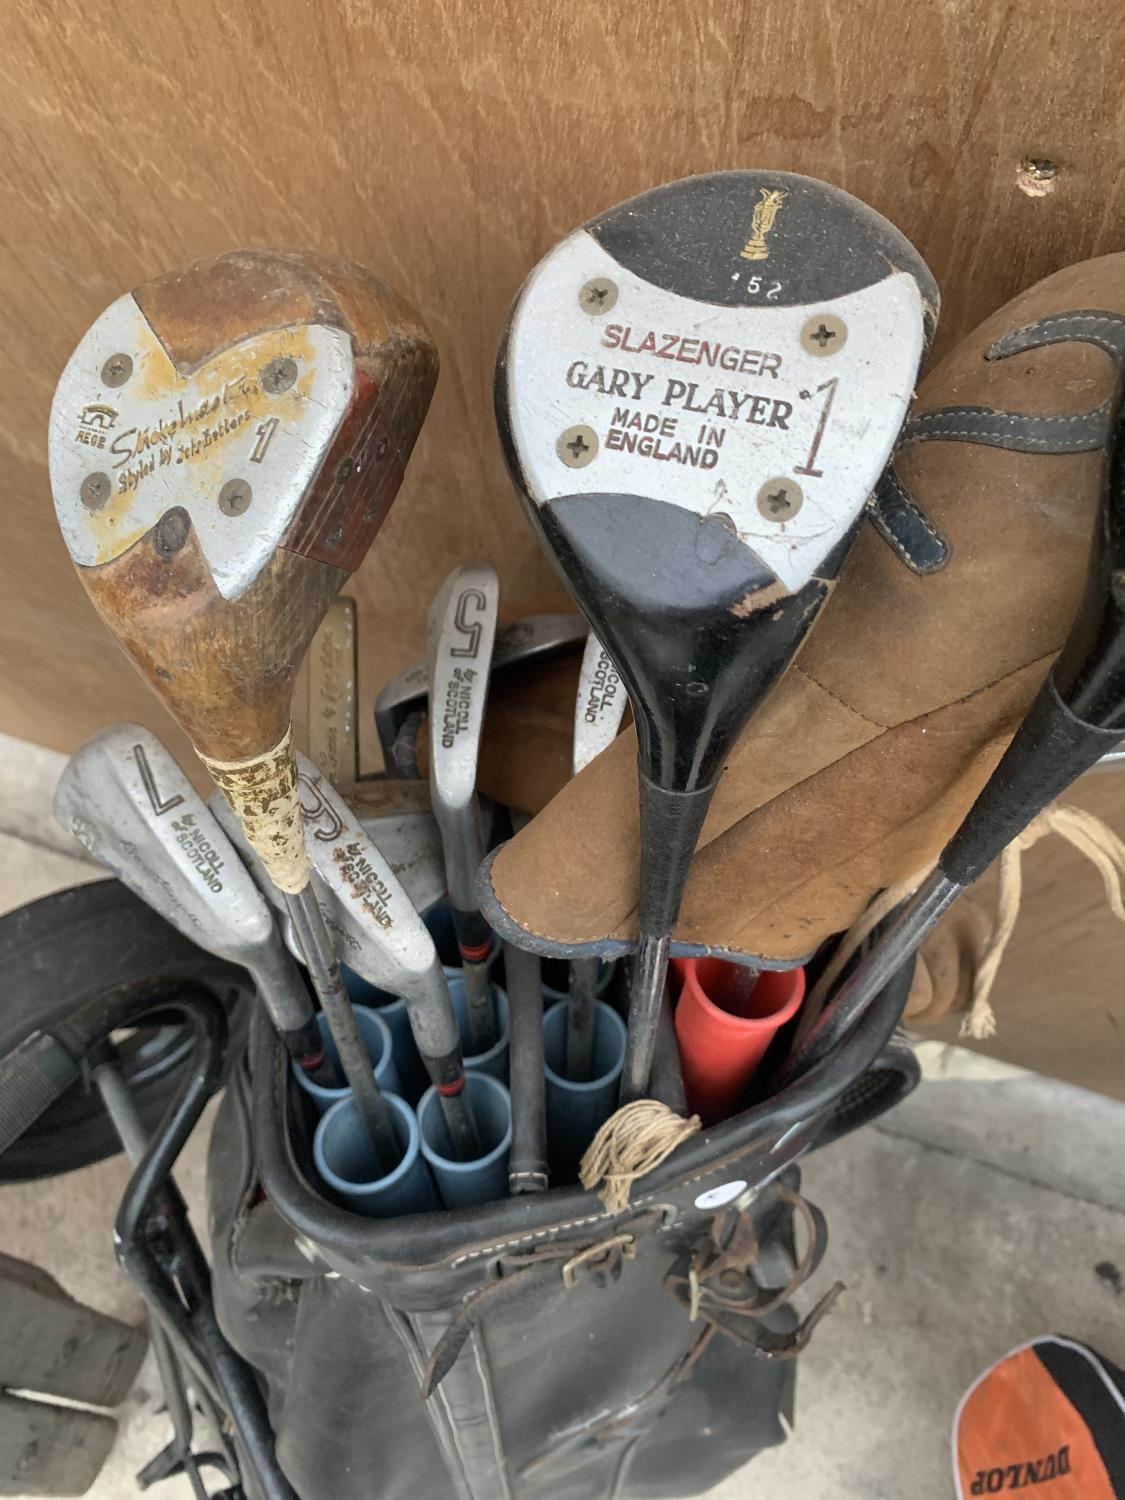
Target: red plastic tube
[(726, 1018)]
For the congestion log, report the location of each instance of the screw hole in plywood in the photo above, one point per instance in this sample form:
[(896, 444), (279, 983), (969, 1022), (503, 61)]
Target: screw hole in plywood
[(1037, 176)]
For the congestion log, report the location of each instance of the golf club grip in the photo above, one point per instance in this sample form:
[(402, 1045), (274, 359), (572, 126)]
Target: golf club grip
[(1050, 750), (31, 1079)]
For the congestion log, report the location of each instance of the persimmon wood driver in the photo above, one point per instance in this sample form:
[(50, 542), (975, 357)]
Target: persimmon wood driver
[(696, 393), (1077, 717), (225, 442)]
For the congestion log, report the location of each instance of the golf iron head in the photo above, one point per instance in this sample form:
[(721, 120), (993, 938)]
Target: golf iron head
[(129, 804), (377, 932), (405, 698), (599, 707)]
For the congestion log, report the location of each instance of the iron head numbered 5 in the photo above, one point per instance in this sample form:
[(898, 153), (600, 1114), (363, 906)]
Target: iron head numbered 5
[(462, 633)]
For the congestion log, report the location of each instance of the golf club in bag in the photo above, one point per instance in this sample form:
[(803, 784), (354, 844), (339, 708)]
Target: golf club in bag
[(564, 1350)]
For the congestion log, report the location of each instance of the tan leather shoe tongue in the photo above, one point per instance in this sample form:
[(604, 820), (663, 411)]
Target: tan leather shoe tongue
[(864, 759)]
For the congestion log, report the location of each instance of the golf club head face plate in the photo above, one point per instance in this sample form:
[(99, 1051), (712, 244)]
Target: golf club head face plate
[(600, 704), (518, 641), (237, 442), (742, 346), (462, 635), (128, 803)]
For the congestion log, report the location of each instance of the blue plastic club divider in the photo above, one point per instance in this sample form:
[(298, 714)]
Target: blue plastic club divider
[(576, 1110), (412, 1076), (495, 1060), (346, 1163), (462, 1183), (376, 1036), (555, 968)]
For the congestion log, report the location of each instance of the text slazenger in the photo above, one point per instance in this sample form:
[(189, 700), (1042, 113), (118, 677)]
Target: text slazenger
[(691, 351)]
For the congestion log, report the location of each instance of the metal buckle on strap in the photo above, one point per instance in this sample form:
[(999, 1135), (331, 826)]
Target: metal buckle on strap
[(607, 1257)]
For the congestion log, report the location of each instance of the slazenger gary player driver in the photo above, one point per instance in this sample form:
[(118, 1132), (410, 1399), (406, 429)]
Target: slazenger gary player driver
[(225, 442), (696, 394)]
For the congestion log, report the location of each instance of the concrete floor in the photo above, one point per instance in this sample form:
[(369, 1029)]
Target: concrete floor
[(988, 1208)]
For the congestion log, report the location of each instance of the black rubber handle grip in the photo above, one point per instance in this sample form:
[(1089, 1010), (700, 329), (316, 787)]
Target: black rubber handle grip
[(31, 1079), (1050, 750)]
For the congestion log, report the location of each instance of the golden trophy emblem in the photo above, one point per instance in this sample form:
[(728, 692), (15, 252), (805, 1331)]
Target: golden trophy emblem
[(761, 223)]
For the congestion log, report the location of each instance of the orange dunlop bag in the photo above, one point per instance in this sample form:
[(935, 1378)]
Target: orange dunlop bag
[(1049, 1421)]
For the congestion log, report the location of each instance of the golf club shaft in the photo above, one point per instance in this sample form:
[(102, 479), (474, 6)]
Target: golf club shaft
[(480, 1009), (324, 972), (916, 919), (286, 1000), (671, 822), (580, 1013), (1051, 748), (464, 1137), (649, 968), (667, 1083)]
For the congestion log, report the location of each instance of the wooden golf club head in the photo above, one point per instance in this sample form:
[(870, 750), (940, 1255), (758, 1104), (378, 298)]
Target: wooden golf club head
[(224, 444)]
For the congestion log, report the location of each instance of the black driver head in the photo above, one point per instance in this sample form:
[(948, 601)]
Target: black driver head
[(696, 393)]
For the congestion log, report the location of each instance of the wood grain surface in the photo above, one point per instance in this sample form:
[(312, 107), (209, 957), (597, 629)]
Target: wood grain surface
[(447, 146)]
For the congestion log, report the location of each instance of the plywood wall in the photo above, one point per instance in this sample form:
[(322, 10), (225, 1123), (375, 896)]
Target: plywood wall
[(448, 145)]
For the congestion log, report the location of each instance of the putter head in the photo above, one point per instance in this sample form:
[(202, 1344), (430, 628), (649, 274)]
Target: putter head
[(462, 632), (128, 803), (599, 706), (224, 444), (520, 640), (696, 393)]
